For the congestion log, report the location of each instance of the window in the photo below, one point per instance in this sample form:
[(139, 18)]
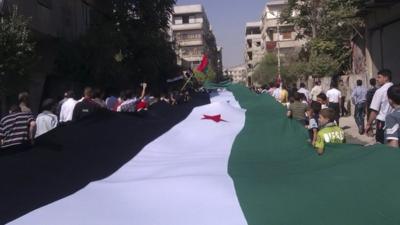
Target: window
[(178, 20), (286, 35), (196, 63), (45, 3), (187, 36), (249, 43), (192, 51), (185, 19), (250, 55), (192, 19)]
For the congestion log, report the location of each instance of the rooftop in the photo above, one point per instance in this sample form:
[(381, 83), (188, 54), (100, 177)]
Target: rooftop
[(187, 9), (277, 2), (254, 24)]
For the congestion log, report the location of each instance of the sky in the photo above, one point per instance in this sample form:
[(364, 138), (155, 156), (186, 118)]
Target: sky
[(228, 19)]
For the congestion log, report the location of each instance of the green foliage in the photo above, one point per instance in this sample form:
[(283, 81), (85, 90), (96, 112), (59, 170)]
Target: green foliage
[(16, 51), (321, 64), (329, 25), (267, 70), (209, 76), (122, 51)]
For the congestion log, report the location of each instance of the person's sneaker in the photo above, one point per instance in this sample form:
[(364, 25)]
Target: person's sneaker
[(361, 131)]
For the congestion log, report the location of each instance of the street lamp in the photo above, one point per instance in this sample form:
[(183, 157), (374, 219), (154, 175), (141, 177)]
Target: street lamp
[(277, 15)]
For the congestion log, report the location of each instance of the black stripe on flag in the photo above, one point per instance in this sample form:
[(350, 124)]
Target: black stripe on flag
[(68, 158)]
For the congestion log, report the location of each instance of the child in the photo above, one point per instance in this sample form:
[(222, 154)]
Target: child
[(297, 110), (392, 126), (329, 131), (312, 125), (303, 98), (323, 100)]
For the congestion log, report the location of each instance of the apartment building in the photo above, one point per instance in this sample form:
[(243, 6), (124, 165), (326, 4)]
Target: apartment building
[(276, 35), (254, 52), (193, 36), (238, 74)]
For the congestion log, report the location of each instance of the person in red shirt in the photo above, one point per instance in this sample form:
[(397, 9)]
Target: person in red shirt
[(142, 104)]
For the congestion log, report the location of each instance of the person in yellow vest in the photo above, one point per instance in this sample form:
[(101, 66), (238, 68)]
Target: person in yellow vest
[(329, 131)]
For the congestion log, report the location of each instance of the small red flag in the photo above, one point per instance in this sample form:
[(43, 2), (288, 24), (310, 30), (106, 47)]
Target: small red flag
[(203, 65)]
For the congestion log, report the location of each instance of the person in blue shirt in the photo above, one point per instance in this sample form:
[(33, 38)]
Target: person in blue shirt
[(358, 97)]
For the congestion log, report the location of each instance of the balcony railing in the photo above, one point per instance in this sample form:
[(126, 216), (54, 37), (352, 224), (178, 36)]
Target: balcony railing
[(190, 42), (187, 26)]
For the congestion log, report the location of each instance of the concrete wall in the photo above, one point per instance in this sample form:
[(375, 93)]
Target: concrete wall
[(382, 40)]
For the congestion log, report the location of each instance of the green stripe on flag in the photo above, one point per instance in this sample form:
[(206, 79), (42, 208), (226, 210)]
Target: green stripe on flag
[(280, 180)]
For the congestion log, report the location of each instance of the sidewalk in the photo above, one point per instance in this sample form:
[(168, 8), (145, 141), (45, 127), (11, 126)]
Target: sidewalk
[(349, 126)]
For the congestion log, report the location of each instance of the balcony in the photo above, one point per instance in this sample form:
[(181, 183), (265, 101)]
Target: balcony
[(253, 37), (192, 58), (187, 26), (273, 23), (291, 43), (188, 9), (184, 43)]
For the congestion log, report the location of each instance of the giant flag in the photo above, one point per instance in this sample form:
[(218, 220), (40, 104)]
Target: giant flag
[(233, 158)]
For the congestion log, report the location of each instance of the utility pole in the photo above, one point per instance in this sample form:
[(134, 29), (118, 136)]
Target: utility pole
[(278, 45)]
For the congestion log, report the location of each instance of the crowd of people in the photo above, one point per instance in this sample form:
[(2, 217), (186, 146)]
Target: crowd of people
[(317, 110), (20, 127), (320, 111)]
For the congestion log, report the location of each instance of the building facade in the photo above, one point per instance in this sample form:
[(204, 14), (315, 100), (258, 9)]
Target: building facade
[(238, 74), (193, 36), (67, 19), (254, 52), (50, 22), (377, 46), (276, 35), (270, 36)]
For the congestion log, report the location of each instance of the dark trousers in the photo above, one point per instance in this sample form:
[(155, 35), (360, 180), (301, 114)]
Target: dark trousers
[(343, 106), (335, 107), (359, 115), (380, 132)]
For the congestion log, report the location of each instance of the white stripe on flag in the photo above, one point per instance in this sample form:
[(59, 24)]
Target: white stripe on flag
[(180, 178)]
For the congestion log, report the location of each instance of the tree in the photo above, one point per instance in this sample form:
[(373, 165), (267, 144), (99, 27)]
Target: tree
[(142, 28), (267, 70), (126, 48), (16, 53), (329, 25)]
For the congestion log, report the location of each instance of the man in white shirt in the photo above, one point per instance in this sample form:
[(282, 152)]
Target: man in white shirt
[(46, 120), (315, 91), (334, 96), (277, 92), (67, 108), (380, 106), (304, 91)]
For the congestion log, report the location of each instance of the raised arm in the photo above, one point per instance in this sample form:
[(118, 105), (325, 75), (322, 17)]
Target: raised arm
[(144, 86)]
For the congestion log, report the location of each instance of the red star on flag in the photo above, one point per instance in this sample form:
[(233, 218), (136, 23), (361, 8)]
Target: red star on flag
[(216, 118)]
